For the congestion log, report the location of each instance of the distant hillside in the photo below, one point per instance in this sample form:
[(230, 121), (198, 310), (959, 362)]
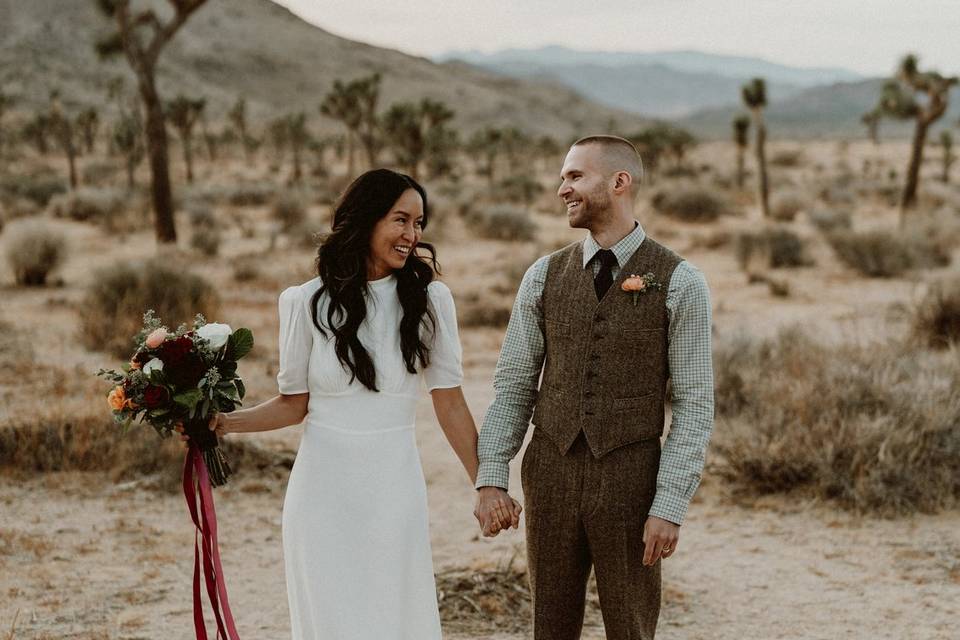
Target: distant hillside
[(669, 84), (832, 111), (278, 62)]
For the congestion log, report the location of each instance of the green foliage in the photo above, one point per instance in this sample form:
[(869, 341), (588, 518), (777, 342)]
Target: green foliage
[(115, 301), (289, 211), (417, 130), (741, 130), (100, 205), (38, 188), (33, 250), (882, 254), (754, 94), (519, 188), (774, 248), (503, 223), (661, 141)]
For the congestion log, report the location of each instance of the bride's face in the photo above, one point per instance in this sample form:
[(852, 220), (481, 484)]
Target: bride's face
[(395, 235)]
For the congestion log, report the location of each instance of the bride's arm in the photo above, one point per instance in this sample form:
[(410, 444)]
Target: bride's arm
[(276, 413), (458, 426)]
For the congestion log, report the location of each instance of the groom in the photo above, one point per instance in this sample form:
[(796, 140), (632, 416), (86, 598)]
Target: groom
[(598, 490)]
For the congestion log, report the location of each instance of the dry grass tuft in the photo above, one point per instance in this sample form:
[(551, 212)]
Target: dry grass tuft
[(33, 250), (113, 308), (503, 222), (873, 428), (771, 248), (690, 203), (936, 321), (882, 254)]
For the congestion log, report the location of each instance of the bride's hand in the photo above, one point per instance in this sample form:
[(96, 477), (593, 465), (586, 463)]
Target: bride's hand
[(218, 424)]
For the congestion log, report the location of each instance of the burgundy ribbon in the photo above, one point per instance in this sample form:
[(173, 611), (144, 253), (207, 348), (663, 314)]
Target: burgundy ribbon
[(196, 489)]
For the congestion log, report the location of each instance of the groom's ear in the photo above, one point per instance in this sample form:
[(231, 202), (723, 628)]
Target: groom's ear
[(622, 182)]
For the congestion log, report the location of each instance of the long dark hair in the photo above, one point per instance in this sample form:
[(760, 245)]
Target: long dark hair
[(342, 267)]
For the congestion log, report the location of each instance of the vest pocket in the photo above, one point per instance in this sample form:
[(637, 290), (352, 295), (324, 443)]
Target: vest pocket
[(634, 403)]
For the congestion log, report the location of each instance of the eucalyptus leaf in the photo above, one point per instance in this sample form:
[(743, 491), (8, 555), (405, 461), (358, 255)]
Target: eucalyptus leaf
[(239, 344)]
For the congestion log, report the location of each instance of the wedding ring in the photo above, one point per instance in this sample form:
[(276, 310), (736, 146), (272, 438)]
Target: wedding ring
[(667, 549)]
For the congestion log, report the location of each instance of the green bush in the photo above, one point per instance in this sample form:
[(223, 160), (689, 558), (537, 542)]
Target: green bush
[(88, 204), (112, 310), (882, 254), (289, 211), (251, 195), (519, 188), (775, 247), (33, 250), (39, 188), (690, 203), (205, 236), (503, 223), (870, 427)]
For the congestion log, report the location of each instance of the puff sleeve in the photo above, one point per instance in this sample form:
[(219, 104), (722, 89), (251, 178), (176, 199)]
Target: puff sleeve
[(296, 342), (446, 367)]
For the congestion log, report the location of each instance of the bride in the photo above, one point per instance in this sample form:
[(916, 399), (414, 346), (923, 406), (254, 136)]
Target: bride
[(355, 343)]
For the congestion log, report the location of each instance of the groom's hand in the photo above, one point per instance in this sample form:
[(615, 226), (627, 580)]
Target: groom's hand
[(660, 539), (496, 510)]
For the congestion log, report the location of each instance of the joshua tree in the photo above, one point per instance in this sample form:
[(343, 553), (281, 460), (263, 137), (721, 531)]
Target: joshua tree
[(37, 130), (238, 117), (367, 91), (5, 101), (872, 121), (183, 113), (342, 104), (898, 100), (755, 98), (547, 150), (487, 143), (128, 140), (209, 138), (299, 137), (946, 141), (741, 137), (416, 130), (65, 131), (88, 122), (141, 35)]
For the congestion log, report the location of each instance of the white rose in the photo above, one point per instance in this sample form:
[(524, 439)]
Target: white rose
[(156, 364), (216, 333)]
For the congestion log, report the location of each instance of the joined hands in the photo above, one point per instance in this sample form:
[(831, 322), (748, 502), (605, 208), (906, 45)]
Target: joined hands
[(496, 511)]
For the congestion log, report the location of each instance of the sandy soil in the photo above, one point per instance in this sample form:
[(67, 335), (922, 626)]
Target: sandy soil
[(84, 558)]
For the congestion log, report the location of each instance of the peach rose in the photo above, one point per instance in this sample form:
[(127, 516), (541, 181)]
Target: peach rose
[(134, 364), (118, 399), (156, 338), (634, 283)]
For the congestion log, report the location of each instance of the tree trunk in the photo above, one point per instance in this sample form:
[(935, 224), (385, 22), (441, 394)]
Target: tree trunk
[(350, 145), (72, 161), (739, 167), (156, 132), (188, 158), (909, 196), (764, 188), (297, 171), (130, 169)]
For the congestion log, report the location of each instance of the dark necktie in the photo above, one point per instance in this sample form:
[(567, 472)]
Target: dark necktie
[(605, 276)]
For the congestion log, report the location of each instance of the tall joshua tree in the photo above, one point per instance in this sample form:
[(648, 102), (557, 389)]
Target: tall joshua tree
[(755, 98), (65, 133), (299, 138), (342, 104), (741, 137), (487, 144), (898, 100), (238, 118), (368, 94), (141, 36), (871, 119), (88, 122), (946, 141), (414, 130), (6, 100), (184, 113)]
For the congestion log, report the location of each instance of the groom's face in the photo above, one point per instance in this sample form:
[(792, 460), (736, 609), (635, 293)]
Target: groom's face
[(583, 188)]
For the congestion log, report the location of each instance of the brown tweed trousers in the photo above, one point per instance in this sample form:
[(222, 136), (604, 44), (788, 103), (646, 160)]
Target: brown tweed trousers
[(589, 474)]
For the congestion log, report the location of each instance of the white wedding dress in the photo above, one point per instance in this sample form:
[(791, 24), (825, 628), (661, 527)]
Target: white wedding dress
[(356, 543)]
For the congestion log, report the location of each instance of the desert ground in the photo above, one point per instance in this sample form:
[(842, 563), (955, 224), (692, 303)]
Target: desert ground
[(93, 555)]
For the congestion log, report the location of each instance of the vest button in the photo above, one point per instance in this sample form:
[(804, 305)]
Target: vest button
[(588, 412), (588, 394)]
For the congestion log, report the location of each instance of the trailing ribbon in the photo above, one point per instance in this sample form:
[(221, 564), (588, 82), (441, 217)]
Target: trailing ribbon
[(196, 489)]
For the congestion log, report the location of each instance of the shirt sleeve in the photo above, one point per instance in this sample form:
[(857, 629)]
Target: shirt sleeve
[(691, 372), (296, 342), (446, 355), (515, 382)]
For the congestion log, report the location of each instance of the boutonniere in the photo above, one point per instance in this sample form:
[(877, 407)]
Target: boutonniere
[(640, 284)]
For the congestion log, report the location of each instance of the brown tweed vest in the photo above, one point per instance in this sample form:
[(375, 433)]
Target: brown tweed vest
[(606, 364)]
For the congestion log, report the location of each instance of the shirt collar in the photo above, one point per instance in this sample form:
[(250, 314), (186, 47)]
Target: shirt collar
[(622, 250)]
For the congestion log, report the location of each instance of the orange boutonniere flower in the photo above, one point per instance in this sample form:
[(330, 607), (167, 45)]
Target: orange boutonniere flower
[(640, 284)]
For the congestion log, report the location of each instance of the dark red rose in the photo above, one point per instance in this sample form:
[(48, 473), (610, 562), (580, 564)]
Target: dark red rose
[(173, 352), (187, 372), (154, 396)]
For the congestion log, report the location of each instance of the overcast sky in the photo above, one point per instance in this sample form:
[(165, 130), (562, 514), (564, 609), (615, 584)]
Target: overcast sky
[(867, 36)]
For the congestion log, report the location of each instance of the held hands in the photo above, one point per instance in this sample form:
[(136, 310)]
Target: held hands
[(496, 511), (660, 539)]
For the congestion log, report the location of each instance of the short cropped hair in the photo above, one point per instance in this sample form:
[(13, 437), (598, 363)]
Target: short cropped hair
[(619, 154)]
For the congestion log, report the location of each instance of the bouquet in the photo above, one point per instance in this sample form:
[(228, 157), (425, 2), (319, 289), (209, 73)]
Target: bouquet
[(178, 380)]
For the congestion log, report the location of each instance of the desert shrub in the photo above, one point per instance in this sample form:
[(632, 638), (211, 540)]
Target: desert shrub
[(690, 203), (936, 320), (831, 220), (33, 250), (882, 254), (774, 247), (91, 443), (870, 427), (88, 204), (787, 158), (100, 172), (288, 211), (112, 311), (304, 235), (251, 195), (245, 270), (503, 223), (38, 188), (205, 236), (483, 313), (785, 205), (519, 188)]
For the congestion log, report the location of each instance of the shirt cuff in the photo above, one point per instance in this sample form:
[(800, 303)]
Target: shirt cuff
[(668, 507), (493, 474)]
